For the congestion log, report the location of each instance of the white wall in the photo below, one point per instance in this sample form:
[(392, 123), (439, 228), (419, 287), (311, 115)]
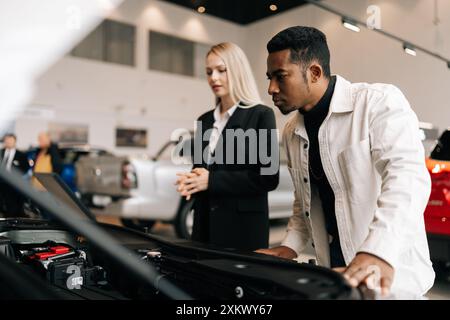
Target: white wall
[(84, 91), (90, 92), (370, 57)]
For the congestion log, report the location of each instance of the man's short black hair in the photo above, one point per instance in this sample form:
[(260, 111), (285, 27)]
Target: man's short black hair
[(306, 45)]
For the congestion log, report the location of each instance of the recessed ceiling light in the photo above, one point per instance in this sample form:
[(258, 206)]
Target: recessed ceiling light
[(409, 49), (201, 9), (273, 7), (349, 24)]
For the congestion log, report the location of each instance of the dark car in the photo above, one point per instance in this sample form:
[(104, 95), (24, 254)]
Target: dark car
[(437, 213)]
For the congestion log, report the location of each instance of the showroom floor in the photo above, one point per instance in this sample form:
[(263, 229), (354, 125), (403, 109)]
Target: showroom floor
[(440, 290)]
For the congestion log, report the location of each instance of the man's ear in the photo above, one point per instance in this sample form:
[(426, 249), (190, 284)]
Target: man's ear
[(316, 72)]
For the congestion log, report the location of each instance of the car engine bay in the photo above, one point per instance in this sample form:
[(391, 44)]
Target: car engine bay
[(75, 269)]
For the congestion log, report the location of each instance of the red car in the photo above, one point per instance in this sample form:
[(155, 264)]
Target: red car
[(437, 213)]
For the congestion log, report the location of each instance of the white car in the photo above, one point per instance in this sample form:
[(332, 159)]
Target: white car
[(152, 194)]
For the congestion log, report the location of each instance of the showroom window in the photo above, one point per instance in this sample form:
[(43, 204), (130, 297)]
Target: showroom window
[(111, 41), (200, 51), (175, 55)]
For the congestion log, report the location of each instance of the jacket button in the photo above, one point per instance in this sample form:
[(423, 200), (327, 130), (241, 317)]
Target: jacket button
[(214, 208), (305, 146), (305, 180), (307, 214)]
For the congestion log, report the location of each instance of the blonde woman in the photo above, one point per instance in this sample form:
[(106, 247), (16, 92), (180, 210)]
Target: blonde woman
[(228, 185)]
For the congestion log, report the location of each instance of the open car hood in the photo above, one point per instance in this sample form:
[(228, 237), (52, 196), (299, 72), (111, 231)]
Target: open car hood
[(204, 272)]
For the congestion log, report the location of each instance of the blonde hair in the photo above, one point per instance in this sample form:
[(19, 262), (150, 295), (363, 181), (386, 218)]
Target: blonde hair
[(241, 83)]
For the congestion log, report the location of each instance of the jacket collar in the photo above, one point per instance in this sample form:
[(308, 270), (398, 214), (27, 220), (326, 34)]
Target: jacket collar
[(239, 116), (236, 119), (341, 102), (342, 97), (229, 112)]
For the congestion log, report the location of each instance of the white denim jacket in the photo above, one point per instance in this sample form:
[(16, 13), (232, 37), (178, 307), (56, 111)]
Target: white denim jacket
[(374, 161)]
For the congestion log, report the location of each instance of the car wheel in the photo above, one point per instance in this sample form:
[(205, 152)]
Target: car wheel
[(185, 220), (138, 224)]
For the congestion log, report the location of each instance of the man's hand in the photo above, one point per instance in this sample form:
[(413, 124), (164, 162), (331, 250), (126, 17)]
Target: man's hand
[(281, 252), (370, 270)]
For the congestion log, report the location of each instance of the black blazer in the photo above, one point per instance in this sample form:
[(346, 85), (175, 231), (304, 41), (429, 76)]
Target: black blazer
[(233, 212), (20, 161)]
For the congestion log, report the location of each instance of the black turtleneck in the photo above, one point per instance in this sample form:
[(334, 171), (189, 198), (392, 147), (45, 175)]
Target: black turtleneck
[(313, 120)]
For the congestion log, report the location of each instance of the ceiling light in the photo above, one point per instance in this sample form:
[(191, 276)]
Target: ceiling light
[(201, 9), (409, 49), (351, 25), (273, 7), (354, 23)]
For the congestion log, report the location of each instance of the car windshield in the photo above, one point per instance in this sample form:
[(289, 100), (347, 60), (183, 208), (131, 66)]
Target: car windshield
[(172, 151), (71, 155)]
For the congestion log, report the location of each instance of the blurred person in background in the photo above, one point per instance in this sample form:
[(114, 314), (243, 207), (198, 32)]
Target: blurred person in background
[(11, 159), (47, 160)]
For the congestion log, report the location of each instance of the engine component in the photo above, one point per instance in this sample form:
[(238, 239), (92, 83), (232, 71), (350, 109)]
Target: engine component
[(63, 266), (6, 248)]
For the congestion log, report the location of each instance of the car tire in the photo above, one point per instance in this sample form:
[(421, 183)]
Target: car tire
[(185, 220), (138, 224)]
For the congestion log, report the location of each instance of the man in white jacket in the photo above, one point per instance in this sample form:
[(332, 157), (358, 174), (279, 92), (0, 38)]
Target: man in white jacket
[(358, 168)]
